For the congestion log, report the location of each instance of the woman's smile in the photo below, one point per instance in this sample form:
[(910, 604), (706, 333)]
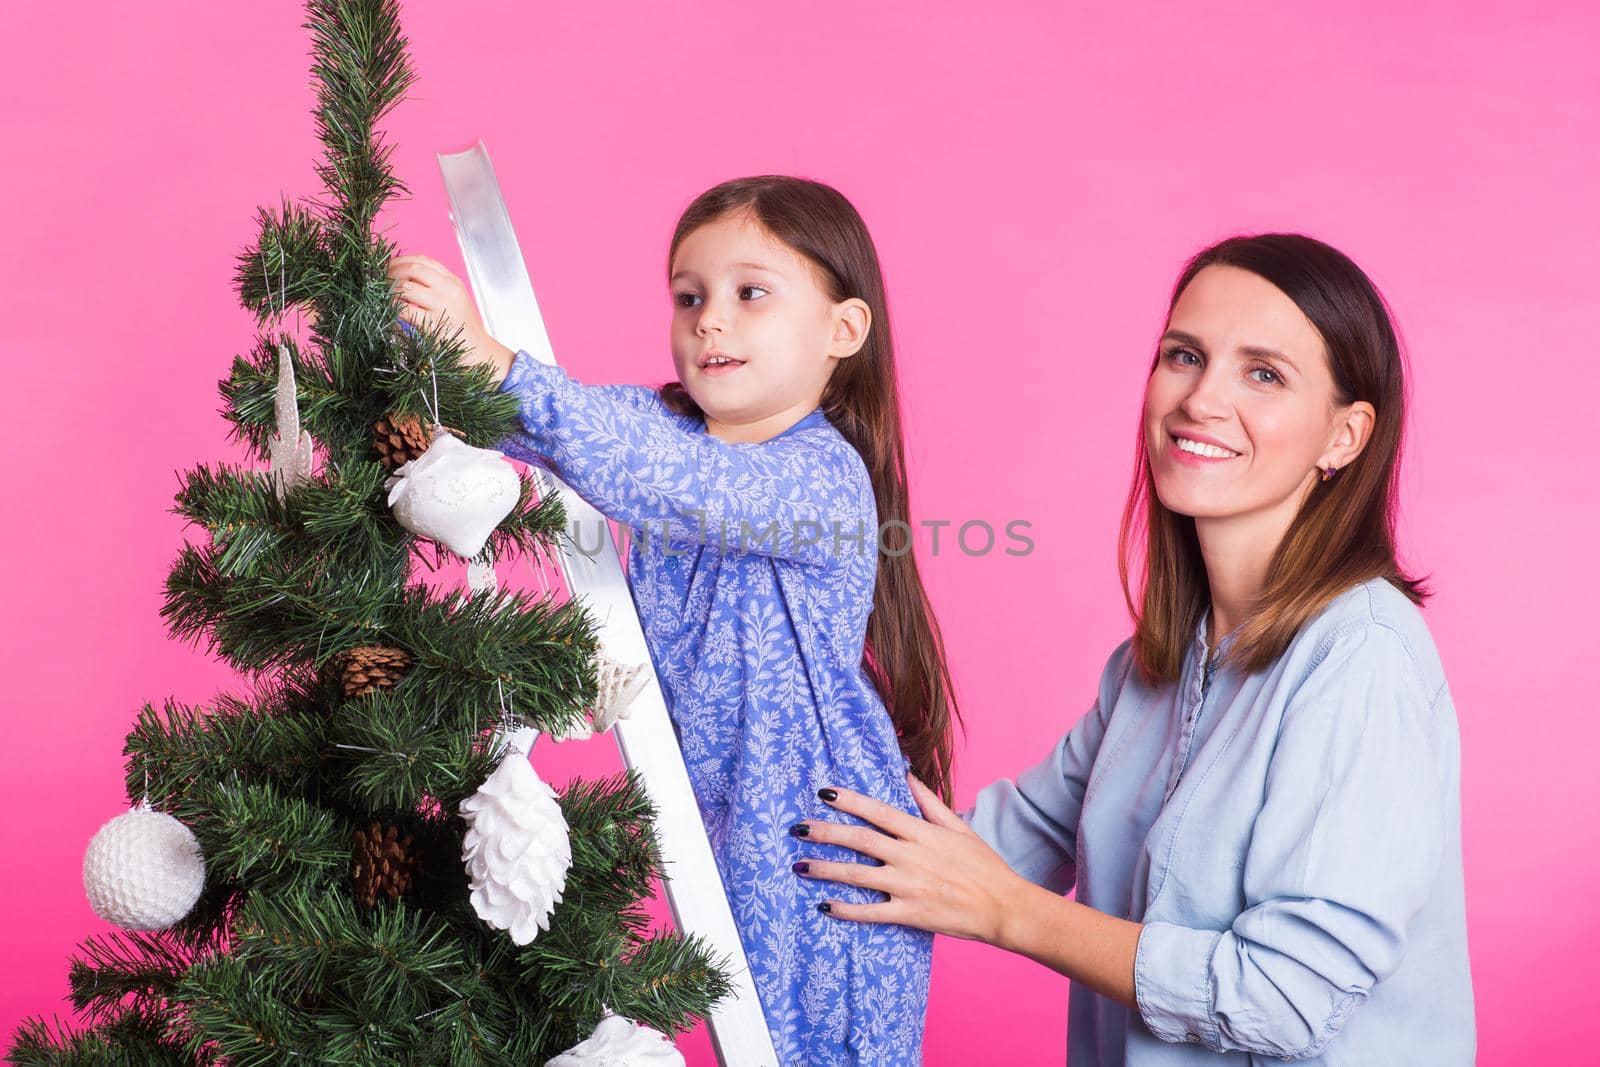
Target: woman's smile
[(1192, 452)]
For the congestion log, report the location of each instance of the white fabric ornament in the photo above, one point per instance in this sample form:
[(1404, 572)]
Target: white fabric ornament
[(620, 684), (516, 850), (143, 870), (620, 1042), (454, 493), (290, 447)]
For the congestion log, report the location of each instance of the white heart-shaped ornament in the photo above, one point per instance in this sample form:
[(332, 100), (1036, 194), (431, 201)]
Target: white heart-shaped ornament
[(455, 494)]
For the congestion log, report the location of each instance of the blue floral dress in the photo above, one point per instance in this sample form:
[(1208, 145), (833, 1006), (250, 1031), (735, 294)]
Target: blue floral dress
[(753, 567)]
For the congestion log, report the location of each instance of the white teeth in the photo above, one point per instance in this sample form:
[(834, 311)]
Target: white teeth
[(717, 361), (1201, 449)]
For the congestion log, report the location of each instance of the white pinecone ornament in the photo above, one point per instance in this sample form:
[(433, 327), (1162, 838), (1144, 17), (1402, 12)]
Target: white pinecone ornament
[(454, 493), (618, 1041), (516, 850), (143, 870)]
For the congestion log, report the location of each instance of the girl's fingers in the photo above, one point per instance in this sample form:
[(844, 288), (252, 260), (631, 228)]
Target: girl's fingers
[(418, 282), (933, 809), (401, 273), (884, 816), (421, 268), (865, 875), (425, 261), (417, 295), (423, 318)]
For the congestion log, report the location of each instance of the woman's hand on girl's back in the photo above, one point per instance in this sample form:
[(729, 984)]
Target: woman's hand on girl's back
[(939, 874), (434, 297)]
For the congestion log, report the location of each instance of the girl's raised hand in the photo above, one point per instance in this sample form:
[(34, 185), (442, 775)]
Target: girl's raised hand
[(434, 297), (938, 873)]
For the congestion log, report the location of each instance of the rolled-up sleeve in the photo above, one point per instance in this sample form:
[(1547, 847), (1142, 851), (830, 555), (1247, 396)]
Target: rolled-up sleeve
[(1032, 822), (1344, 854)]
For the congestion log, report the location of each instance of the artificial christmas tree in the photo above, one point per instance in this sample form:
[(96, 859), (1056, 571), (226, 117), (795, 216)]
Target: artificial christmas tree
[(337, 921)]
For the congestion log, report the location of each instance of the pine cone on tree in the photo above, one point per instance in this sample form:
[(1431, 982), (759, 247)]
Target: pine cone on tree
[(399, 439), (371, 667), (383, 864)]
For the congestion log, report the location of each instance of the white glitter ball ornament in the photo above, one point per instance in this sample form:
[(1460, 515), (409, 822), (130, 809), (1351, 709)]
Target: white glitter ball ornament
[(143, 870), (454, 493), (517, 850), (620, 1042)]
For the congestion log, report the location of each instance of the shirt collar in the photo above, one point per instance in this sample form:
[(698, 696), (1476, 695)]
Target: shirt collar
[(816, 418), (1201, 637)]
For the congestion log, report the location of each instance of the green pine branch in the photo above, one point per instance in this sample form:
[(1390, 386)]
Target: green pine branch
[(329, 946), (332, 521), (276, 734), (238, 1013), (392, 752), (667, 982), (362, 70), (290, 263), (256, 834), (127, 970), (131, 1039)]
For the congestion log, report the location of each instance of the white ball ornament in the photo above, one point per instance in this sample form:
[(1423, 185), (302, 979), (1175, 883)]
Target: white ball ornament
[(620, 1042), (454, 494), (517, 849), (143, 870)]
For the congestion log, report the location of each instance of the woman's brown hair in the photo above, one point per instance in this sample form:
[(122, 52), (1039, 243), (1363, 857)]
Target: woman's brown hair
[(904, 654), (1344, 532)]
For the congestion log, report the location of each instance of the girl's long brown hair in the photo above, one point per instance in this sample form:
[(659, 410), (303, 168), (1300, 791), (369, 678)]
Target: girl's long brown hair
[(904, 654), (1344, 533)]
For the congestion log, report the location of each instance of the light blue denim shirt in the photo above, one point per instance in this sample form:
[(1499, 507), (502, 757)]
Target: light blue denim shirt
[(1291, 840)]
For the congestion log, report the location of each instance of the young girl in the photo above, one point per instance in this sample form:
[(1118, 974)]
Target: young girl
[(756, 485)]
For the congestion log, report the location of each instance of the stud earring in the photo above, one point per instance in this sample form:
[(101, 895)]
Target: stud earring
[(1329, 473)]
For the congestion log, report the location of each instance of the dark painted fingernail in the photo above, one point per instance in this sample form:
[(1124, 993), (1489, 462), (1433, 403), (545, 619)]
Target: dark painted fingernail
[(830, 795), (799, 829), (800, 867), (825, 907)]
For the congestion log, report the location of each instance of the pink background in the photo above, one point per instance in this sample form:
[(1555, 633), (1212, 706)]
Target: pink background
[(1034, 177)]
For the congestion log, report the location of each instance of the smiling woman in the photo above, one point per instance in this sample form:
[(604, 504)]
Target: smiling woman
[(1260, 811)]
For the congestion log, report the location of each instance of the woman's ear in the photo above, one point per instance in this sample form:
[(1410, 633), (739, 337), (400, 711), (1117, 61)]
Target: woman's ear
[(1352, 430), (852, 321)]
